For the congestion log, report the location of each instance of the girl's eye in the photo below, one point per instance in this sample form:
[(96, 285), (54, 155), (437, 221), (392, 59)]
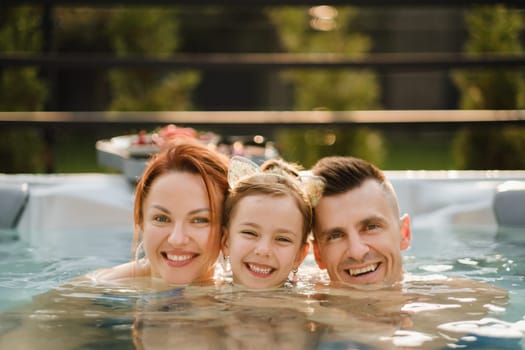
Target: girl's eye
[(284, 240), (249, 233)]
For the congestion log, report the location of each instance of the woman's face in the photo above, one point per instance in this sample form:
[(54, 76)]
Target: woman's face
[(177, 228)]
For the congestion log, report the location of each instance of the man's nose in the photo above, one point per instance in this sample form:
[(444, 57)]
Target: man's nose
[(357, 246)]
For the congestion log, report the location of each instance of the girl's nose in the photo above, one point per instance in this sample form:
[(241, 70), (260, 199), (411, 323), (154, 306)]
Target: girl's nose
[(263, 248)]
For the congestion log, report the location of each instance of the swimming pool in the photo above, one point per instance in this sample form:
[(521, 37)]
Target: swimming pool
[(77, 223)]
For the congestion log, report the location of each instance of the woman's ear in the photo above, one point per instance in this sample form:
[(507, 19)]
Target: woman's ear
[(406, 232), (139, 232)]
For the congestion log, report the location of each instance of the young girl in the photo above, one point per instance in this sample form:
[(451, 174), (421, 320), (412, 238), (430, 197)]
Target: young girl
[(267, 217)]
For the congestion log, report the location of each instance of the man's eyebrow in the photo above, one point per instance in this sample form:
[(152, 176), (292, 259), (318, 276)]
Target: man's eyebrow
[(373, 218)]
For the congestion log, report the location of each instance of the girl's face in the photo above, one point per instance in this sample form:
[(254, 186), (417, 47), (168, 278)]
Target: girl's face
[(264, 240), (177, 228)]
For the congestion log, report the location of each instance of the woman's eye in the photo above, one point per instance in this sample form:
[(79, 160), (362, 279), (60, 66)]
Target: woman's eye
[(161, 218), (200, 220)]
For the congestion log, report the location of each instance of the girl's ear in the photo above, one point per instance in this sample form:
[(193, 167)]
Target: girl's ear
[(224, 242), (317, 255), (406, 232), (301, 255)]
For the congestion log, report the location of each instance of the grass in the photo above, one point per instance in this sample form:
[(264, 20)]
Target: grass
[(408, 150)]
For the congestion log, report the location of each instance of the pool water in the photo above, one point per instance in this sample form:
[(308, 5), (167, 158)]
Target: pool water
[(465, 289)]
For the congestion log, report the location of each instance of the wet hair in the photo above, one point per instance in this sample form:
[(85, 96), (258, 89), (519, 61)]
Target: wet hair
[(278, 179), (342, 174), (189, 156)]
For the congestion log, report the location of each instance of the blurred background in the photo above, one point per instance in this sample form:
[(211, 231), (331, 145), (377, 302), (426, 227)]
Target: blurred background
[(150, 56)]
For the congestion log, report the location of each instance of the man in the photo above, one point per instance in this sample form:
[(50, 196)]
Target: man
[(359, 235), (358, 231)]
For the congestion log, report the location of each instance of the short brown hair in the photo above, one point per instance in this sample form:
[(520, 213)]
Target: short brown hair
[(342, 174)]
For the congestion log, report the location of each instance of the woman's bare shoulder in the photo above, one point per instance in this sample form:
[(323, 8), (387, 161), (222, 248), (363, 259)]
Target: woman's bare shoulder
[(119, 272)]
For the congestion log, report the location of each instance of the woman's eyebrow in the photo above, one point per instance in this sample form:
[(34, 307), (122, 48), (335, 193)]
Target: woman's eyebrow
[(161, 208), (197, 211)]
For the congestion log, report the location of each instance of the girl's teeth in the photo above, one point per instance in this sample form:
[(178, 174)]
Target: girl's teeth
[(260, 269), (178, 257), (369, 268)]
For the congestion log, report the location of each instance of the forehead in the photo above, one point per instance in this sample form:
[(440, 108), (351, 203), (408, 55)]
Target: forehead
[(267, 209), (368, 200), (177, 185), (274, 204)]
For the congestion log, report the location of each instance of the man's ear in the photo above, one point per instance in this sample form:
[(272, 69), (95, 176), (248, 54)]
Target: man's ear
[(317, 254), (224, 242), (406, 232)]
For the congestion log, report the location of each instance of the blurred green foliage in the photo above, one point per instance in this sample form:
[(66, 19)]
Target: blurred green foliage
[(22, 150), (306, 145), (21, 89), (491, 29), (146, 31), (302, 30)]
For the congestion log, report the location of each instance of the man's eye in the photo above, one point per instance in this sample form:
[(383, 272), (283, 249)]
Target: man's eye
[(334, 235), (372, 227)]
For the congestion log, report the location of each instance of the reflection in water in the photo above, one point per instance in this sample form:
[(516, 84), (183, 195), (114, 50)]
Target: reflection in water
[(429, 311), (424, 313)]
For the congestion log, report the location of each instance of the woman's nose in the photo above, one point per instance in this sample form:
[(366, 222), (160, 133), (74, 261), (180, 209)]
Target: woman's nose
[(178, 235)]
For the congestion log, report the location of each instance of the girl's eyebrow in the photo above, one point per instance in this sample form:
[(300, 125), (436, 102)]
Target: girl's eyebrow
[(279, 230)]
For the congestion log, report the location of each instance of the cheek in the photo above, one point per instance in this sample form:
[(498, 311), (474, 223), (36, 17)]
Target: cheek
[(332, 253), (152, 236), (239, 246)]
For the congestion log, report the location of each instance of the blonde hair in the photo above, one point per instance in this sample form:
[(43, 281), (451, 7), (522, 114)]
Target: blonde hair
[(278, 179)]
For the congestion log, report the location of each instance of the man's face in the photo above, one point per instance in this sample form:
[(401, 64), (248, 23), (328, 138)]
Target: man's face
[(359, 236)]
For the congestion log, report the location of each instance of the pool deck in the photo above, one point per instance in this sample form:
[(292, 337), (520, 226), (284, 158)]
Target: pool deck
[(61, 203)]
